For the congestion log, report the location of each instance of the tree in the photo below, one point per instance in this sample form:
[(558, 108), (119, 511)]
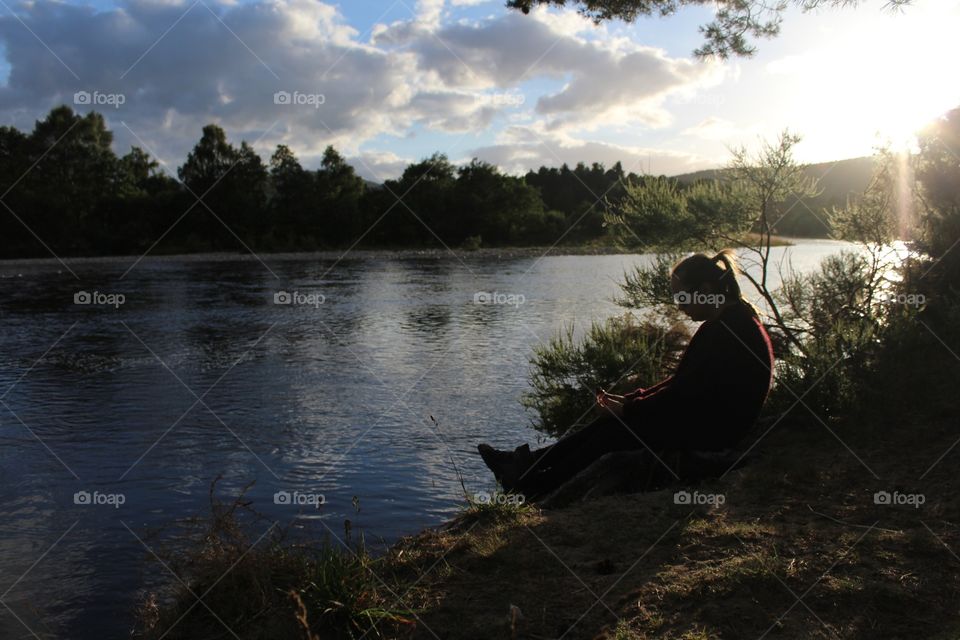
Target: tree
[(579, 194), (340, 192), (292, 200), (427, 212), (13, 165), (209, 162), (231, 183), (73, 175), (735, 21), (938, 172), (495, 208), (135, 172)]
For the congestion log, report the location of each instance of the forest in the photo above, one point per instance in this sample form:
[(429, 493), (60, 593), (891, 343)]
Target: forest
[(67, 193)]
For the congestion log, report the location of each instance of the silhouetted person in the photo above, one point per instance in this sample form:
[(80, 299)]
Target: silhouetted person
[(708, 404)]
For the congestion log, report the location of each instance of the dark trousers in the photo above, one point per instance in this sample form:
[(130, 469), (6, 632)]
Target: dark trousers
[(556, 463)]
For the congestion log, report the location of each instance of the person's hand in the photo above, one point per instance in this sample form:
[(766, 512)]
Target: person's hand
[(602, 396), (610, 402)]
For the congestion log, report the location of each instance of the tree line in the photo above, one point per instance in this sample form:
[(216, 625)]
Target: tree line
[(65, 191)]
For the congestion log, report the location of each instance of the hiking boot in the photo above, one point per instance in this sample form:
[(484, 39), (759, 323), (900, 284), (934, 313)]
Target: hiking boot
[(503, 464), (523, 457)]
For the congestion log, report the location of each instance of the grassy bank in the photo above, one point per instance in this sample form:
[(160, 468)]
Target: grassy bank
[(800, 521), (595, 248)]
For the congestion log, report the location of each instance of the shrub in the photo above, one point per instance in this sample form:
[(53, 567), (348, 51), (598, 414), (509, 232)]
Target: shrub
[(618, 355)]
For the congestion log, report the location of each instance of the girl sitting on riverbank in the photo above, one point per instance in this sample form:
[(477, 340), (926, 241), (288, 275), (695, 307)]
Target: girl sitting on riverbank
[(708, 404)]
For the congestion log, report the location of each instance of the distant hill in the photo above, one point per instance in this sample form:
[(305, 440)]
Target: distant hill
[(838, 181)]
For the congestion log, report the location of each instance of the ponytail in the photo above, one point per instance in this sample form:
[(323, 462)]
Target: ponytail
[(722, 269), (727, 278)]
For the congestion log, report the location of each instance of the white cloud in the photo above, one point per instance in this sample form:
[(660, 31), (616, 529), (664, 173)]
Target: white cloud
[(379, 165), (721, 130), (182, 65), (521, 147)]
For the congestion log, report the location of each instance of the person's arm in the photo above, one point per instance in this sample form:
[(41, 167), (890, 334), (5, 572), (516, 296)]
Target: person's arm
[(641, 392), (663, 413)]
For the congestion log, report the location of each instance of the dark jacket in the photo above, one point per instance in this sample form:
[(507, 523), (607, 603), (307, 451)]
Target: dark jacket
[(717, 391)]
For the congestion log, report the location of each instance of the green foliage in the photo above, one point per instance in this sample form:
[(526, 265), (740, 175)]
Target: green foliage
[(653, 208), (579, 195), (472, 243), (65, 180), (938, 172), (648, 287), (496, 507), (871, 218), (618, 355), (846, 312), (661, 212), (769, 177), (269, 587)]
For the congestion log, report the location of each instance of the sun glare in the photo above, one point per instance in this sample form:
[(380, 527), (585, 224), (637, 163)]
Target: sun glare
[(880, 84), (911, 81)]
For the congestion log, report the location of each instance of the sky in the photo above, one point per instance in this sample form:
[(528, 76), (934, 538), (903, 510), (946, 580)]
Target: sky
[(389, 82)]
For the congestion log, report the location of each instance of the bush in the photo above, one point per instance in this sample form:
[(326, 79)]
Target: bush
[(618, 355)]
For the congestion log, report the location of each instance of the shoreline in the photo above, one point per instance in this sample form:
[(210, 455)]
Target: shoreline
[(344, 254)]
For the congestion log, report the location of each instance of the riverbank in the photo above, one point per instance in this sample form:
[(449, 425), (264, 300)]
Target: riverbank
[(499, 253), (800, 522), (801, 543)]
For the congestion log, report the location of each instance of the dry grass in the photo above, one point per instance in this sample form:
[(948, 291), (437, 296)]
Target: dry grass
[(798, 523)]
